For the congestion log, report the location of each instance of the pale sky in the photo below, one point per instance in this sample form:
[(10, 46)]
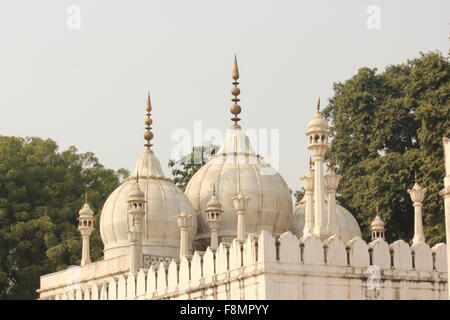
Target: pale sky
[(88, 87)]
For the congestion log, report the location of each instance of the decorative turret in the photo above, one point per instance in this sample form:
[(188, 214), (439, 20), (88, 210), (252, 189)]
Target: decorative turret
[(308, 185), (184, 221), (417, 194), (86, 226), (332, 183), (377, 227), (136, 211), (318, 145), (240, 203), (214, 219)]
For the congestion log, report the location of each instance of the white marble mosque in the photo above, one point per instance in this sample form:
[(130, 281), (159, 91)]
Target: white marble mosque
[(235, 234)]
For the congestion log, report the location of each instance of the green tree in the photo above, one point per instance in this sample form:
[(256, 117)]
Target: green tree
[(41, 192), (184, 168), (385, 126)]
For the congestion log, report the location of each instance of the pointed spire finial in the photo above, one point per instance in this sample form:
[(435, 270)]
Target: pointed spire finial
[(235, 91), (148, 135), (149, 103), (415, 176), (86, 194), (235, 73), (214, 189), (318, 105), (310, 163)]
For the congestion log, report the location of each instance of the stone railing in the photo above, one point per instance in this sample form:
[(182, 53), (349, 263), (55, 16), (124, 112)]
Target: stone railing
[(213, 275)]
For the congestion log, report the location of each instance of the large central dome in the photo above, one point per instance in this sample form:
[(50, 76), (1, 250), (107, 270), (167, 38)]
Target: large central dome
[(237, 169)]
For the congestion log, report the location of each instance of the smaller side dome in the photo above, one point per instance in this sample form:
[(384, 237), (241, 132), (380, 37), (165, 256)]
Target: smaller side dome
[(213, 204), (377, 223), (377, 228), (136, 193), (317, 123), (348, 227), (86, 211)]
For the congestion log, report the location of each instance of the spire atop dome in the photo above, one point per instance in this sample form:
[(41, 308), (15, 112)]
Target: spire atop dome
[(148, 135), (317, 122), (235, 91)]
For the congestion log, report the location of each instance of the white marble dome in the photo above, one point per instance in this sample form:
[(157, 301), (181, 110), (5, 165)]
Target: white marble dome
[(237, 169), (160, 232), (348, 227)]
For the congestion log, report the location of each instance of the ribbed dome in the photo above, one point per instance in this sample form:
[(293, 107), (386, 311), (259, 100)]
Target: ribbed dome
[(377, 223), (347, 224), (161, 235), (214, 204), (237, 169), (317, 123), (86, 211)]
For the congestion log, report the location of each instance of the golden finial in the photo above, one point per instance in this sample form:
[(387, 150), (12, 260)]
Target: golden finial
[(86, 195), (415, 176), (310, 163), (235, 91), (318, 106), (148, 135)]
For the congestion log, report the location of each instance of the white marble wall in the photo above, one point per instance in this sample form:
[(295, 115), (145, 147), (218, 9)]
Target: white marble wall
[(265, 268)]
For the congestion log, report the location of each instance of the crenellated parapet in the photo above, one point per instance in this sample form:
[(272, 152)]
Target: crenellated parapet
[(266, 267)]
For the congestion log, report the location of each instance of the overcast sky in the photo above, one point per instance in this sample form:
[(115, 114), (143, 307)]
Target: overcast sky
[(87, 87)]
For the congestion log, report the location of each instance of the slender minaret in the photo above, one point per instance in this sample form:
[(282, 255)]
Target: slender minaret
[(377, 227), (136, 211), (318, 145), (86, 226), (214, 219), (235, 91), (445, 194), (184, 221), (240, 203), (308, 185), (332, 183), (417, 194)]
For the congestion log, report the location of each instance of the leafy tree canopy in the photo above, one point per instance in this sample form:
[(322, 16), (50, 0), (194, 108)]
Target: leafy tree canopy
[(41, 192), (385, 126), (184, 168)]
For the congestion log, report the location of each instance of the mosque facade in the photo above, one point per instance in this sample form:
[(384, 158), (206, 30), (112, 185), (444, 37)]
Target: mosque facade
[(236, 234)]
